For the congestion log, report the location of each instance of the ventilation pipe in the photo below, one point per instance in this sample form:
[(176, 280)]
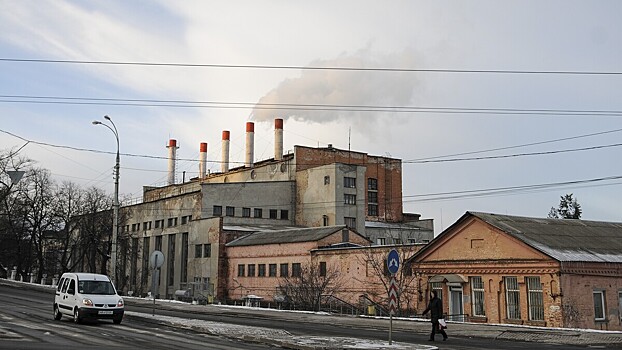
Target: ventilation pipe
[(250, 144), (202, 160), (172, 151), (278, 139), (224, 166)]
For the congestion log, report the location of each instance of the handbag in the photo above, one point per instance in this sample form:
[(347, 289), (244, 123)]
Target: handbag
[(442, 324)]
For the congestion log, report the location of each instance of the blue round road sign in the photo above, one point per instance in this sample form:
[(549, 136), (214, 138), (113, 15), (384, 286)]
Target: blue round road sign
[(393, 261)]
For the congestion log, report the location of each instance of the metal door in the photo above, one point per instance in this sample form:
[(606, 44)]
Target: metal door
[(456, 310)]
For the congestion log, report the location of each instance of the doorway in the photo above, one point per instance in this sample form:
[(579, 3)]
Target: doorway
[(456, 309)]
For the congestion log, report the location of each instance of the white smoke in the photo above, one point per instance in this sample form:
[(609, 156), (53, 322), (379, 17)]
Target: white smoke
[(309, 97)]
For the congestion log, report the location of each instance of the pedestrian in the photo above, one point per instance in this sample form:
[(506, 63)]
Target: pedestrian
[(436, 312)]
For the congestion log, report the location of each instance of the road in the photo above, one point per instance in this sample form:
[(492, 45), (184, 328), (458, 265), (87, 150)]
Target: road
[(26, 318)]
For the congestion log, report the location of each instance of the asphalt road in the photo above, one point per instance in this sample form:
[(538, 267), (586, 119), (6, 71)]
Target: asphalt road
[(26, 322)]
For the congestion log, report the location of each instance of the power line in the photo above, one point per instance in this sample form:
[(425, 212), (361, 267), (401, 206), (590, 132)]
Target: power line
[(355, 69)]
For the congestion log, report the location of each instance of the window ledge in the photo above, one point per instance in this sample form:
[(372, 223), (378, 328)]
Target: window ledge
[(536, 323), (512, 321)]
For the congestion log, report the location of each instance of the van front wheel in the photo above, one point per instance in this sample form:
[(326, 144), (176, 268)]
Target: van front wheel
[(76, 316)]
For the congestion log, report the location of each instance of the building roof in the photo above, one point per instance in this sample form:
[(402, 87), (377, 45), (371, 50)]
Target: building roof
[(565, 240), (295, 235)]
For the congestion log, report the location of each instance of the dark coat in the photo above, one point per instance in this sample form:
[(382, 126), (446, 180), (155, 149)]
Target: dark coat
[(435, 307)]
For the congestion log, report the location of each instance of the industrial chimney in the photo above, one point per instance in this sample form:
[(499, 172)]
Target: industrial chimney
[(250, 144), (224, 166), (278, 139), (202, 160), (172, 151)]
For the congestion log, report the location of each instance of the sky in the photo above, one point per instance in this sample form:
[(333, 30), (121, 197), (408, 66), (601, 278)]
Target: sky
[(499, 107)]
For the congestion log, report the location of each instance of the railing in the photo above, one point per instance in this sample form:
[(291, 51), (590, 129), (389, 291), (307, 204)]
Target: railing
[(379, 310), (333, 304)]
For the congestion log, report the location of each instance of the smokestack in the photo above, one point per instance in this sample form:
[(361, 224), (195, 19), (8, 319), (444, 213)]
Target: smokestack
[(224, 166), (278, 139), (250, 144), (172, 155), (202, 160)]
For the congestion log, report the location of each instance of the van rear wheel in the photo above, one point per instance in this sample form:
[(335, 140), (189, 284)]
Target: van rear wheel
[(76, 316), (57, 314)]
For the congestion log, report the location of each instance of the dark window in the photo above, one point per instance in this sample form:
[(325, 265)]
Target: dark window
[(261, 270), (322, 268), (350, 222), (172, 222), (257, 213), (284, 215), (325, 220), (230, 211), (372, 184), (296, 270), (349, 182), (246, 212), (198, 251), (217, 210), (207, 250), (251, 270), (349, 199), (272, 270), (241, 270), (284, 270), (372, 197), (326, 180), (273, 213), (372, 209), (171, 260), (184, 257)]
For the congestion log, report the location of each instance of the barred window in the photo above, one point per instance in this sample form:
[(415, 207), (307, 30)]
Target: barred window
[(349, 198), (261, 270), (372, 184), (512, 298), (477, 291), (241, 268), (438, 287), (284, 270), (372, 209), (272, 270), (535, 299), (251, 270)]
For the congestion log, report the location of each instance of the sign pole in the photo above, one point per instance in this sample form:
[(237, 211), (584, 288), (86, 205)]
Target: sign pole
[(393, 264)]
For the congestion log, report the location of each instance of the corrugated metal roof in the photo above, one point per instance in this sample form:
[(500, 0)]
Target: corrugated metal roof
[(563, 239), (286, 236)]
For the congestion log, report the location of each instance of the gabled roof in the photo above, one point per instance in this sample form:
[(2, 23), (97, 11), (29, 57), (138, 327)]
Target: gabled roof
[(565, 240), (296, 235)]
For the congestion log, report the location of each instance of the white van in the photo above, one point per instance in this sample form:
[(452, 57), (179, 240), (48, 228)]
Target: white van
[(87, 296)]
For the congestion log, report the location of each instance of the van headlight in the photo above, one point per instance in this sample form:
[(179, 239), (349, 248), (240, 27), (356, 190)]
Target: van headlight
[(120, 303), (87, 302)]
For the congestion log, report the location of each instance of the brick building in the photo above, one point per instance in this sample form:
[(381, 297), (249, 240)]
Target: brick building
[(544, 272)]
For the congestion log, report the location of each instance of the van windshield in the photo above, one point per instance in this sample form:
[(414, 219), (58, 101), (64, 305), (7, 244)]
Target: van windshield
[(96, 287)]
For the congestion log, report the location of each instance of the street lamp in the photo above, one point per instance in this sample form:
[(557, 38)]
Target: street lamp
[(115, 214)]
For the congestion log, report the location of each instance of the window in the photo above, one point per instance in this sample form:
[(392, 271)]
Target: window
[(230, 211), (296, 270), (477, 291), (438, 287), (198, 251), (184, 257), (257, 213), (350, 222), (349, 199), (284, 270), (241, 270), (599, 305), (146, 225), (172, 222), (207, 250), (345, 235), (325, 220), (381, 241), (273, 213), (246, 212), (146, 253), (372, 184), (372, 197), (322, 269), (284, 215), (535, 299), (261, 270), (372, 209), (326, 180), (512, 298), (159, 223), (251, 270), (272, 270), (349, 182), (217, 210), (171, 259), (186, 219), (133, 227)]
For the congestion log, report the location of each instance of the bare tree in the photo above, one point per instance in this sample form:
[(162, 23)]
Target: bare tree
[(306, 285)]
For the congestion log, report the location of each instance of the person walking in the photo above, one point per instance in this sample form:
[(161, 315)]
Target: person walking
[(435, 307)]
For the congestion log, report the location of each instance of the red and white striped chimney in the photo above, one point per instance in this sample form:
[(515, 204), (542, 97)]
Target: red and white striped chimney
[(224, 166), (278, 139), (172, 155), (202, 160), (250, 144)]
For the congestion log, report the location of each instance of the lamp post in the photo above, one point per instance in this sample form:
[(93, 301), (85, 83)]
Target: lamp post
[(115, 214)]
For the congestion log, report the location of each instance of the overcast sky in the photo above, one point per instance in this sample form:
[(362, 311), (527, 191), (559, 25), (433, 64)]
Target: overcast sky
[(535, 84)]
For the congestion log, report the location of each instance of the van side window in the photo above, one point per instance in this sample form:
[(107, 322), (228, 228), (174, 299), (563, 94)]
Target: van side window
[(65, 285), (72, 287), (60, 284)]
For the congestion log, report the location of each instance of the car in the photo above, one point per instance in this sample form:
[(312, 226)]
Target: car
[(87, 296)]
